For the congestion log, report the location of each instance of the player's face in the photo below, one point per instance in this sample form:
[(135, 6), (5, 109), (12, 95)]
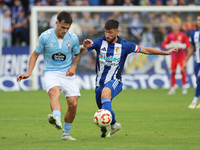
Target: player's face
[(62, 28), (198, 21), (111, 35), (175, 27)]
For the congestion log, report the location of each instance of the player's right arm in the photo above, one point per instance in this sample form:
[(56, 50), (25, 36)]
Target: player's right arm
[(189, 54), (33, 58), (86, 44), (31, 65)]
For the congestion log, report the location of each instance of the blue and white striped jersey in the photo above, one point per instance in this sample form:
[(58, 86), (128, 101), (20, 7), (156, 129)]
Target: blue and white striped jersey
[(111, 58), (58, 53), (195, 41)]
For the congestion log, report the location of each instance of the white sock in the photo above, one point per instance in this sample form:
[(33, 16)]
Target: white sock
[(195, 100)]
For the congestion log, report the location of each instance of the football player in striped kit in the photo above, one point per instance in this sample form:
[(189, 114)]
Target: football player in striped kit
[(195, 49), (111, 55)]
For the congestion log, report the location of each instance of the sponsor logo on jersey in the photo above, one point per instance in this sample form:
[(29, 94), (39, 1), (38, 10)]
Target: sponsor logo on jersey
[(58, 57), (110, 61)]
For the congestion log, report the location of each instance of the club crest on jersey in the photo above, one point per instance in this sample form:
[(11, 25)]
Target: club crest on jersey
[(58, 57), (51, 45), (117, 49), (68, 45)]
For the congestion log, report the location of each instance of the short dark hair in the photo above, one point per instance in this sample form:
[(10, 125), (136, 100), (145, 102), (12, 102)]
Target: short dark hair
[(111, 24), (63, 15)]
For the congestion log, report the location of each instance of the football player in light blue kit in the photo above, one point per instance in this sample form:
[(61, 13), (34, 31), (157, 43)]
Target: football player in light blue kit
[(195, 49), (111, 55), (61, 56)]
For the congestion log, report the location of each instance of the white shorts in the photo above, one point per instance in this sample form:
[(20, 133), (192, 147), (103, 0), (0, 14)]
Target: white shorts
[(67, 84)]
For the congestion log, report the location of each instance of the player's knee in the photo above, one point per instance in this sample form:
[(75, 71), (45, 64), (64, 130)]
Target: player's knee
[(106, 94), (72, 106)]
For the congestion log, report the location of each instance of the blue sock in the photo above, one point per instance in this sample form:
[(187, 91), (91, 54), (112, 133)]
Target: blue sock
[(67, 127), (197, 91), (57, 113), (106, 104)]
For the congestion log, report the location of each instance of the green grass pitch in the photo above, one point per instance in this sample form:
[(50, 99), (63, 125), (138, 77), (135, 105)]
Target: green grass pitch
[(151, 120)]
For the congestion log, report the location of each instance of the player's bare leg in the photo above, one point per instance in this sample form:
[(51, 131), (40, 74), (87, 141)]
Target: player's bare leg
[(69, 117), (54, 119), (173, 81)]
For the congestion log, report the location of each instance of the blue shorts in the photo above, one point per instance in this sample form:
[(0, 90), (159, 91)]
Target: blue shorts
[(114, 85)]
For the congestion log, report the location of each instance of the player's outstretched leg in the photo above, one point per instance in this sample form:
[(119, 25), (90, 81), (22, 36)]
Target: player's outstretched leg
[(114, 128), (55, 121)]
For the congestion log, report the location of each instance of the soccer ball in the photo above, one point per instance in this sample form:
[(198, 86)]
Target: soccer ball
[(102, 118)]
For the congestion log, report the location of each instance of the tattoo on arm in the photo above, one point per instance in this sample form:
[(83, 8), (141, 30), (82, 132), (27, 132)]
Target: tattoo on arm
[(76, 59)]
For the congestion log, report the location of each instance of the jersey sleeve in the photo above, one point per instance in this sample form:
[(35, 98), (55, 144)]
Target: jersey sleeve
[(40, 44), (76, 47), (94, 45), (132, 47)]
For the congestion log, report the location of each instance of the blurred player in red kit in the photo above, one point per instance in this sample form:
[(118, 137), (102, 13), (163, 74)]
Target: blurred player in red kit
[(179, 40)]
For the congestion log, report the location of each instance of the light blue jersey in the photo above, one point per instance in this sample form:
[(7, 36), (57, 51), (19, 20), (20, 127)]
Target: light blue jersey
[(58, 53)]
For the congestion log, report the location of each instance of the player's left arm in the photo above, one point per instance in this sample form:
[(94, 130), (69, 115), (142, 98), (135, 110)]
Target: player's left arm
[(153, 51), (71, 71), (76, 59)]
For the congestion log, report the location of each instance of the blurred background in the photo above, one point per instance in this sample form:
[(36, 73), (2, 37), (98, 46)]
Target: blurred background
[(144, 28)]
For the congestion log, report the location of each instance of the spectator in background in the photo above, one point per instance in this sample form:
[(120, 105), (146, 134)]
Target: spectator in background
[(189, 26), (3, 7), (16, 9), (85, 3), (75, 26), (181, 2), (148, 39), (8, 2), (157, 2), (72, 3), (87, 25), (135, 28), (43, 22), (104, 15), (162, 29), (116, 15), (98, 25), (53, 20), (94, 2), (7, 29), (180, 41), (21, 30), (127, 15)]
